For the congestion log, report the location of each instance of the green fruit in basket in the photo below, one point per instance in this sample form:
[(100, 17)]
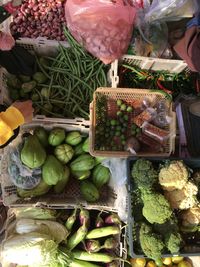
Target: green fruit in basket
[(118, 128), (29, 86), (64, 153), (129, 109), (81, 175), (119, 113), (73, 138), (39, 77), (126, 117), (56, 136), (82, 163), (113, 122), (89, 191), (119, 102), (117, 133), (100, 176), (25, 78), (33, 154), (138, 131), (134, 126), (42, 135), (39, 190), (86, 145), (122, 137), (98, 160), (78, 150), (123, 107), (133, 132), (52, 170), (60, 186)]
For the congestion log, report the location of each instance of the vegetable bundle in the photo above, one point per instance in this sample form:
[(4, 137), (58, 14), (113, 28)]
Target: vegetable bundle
[(170, 83), (165, 206), (53, 160), (75, 239), (62, 86)]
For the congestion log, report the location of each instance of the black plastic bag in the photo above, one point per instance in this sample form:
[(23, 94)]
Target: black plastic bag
[(18, 61)]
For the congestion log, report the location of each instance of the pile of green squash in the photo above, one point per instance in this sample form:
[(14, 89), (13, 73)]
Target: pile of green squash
[(61, 155)]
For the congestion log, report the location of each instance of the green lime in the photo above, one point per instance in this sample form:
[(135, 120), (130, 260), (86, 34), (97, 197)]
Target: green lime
[(119, 102), (122, 136), (118, 128), (126, 117), (133, 132), (123, 107), (129, 109), (119, 113), (123, 142), (133, 126), (138, 130), (117, 133), (113, 122)]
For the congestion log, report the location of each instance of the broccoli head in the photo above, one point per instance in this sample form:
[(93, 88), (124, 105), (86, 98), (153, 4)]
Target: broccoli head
[(156, 207), (173, 175), (173, 241), (144, 174), (151, 243)]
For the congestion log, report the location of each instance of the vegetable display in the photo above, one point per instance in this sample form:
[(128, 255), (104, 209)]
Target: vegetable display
[(174, 261), (39, 241), (131, 76), (165, 207), (63, 85), (134, 125), (38, 166), (39, 19)]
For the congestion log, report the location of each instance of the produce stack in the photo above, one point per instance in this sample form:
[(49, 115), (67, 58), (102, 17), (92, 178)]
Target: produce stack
[(67, 237)]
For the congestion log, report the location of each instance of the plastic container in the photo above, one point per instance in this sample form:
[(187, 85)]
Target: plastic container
[(191, 163), (120, 251), (130, 95), (146, 63), (40, 46), (72, 195)]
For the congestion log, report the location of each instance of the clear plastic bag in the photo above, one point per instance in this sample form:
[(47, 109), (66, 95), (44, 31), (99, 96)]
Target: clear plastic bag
[(22, 176), (165, 10), (103, 27)]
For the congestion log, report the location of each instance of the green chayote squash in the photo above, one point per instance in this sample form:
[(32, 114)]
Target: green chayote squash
[(86, 145), (73, 138), (81, 175), (60, 186), (42, 135), (82, 163), (100, 176), (52, 170), (56, 136), (64, 153), (39, 190), (78, 150), (89, 191), (33, 154)]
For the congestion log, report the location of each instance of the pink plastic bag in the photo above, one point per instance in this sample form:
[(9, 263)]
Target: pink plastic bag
[(103, 27), (6, 41)]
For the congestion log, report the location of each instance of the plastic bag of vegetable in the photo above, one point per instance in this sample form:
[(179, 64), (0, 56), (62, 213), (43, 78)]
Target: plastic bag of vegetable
[(22, 176), (104, 27)]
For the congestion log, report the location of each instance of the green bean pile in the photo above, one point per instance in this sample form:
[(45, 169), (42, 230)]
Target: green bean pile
[(73, 75)]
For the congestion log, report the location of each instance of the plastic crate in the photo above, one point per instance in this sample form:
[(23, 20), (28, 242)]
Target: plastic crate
[(146, 63), (192, 250), (40, 46), (129, 95), (72, 195), (120, 251)]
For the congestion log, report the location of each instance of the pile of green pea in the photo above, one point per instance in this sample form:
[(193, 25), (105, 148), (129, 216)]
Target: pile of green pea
[(112, 134)]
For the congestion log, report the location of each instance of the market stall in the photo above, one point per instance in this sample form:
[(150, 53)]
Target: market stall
[(107, 172)]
